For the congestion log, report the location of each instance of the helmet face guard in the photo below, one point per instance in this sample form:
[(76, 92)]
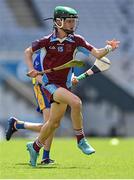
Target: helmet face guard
[(62, 22), (62, 14)]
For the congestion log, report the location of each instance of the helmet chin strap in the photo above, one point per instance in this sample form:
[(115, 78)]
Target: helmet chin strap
[(67, 31), (62, 22)]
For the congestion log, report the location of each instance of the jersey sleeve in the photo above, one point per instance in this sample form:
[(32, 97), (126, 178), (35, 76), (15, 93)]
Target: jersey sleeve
[(39, 44), (84, 46)]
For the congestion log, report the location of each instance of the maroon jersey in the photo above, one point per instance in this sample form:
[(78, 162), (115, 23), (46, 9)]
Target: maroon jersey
[(55, 52)]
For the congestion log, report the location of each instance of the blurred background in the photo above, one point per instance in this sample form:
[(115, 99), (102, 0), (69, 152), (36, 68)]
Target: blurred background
[(108, 98)]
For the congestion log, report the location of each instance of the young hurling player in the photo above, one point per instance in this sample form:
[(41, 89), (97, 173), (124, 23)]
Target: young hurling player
[(59, 48), (15, 124)]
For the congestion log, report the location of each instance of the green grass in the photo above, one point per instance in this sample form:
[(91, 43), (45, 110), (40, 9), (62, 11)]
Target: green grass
[(108, 162)]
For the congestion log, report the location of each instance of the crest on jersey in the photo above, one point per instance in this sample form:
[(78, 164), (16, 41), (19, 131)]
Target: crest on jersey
[(60, 49)]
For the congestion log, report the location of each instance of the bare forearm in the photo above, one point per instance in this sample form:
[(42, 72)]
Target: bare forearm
[(99, 53), (28, 58), (29, 61), (111, 46)]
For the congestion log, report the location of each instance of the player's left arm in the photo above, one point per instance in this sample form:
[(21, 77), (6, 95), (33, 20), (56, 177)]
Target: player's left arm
[(100, 54), (111, 45)]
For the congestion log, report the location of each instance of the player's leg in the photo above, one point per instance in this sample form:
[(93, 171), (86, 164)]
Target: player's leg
[(65, 96), (54, 121), (15, 124), (43, 106), (56, 113), (47, 145)]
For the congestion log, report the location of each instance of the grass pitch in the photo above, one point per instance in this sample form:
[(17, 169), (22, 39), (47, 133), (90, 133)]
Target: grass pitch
[(109, 161)]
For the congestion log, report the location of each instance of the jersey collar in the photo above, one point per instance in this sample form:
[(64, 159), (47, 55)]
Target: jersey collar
[(54, 38)]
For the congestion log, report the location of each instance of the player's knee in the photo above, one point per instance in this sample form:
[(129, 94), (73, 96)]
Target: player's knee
[(76, 104), (54, 125)]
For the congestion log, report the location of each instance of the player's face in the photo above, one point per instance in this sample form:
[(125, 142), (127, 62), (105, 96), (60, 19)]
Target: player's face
[(70, 24)]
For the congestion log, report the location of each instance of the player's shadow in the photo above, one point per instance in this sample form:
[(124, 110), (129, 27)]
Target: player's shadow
[(46, 167), (39, 166), (52, 166)]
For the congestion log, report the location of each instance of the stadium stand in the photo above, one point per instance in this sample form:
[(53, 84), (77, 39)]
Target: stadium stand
[(28, 19), (99, 21)]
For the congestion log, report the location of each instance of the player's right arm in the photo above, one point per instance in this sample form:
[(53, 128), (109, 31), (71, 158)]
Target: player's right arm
[(36, 45), (28, 57), (29, 61)]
